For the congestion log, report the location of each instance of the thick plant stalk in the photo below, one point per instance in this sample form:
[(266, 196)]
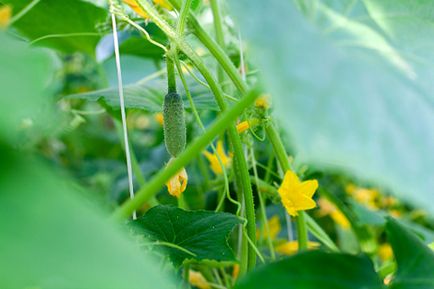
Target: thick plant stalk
[(123, 114), (215, 49), (218, 28)]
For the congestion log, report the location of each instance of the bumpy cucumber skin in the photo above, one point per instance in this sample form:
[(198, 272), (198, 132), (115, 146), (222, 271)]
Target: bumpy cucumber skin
[(174, 124)]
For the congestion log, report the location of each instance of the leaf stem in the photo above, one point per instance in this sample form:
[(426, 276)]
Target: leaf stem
[(218, 27), (171, 78), (185, 9), (282, 158)]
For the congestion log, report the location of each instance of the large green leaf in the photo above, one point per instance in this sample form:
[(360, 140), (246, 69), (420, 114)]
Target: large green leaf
[(140, 46), (148, 95), (51, 237), (67, 25), (199, 235), (24, 76), (415, 260), (312, 270), (344, 108)]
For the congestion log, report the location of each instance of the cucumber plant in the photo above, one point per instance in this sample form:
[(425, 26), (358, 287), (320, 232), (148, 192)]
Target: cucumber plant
[(310, 130)]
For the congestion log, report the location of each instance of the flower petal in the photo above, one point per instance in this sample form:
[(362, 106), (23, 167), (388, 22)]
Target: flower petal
[(290, 180), (308, 188)]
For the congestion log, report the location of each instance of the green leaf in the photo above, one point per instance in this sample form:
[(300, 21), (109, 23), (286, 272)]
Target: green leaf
[(52, 238), (415, 260), (350, 109), (148, 94), (366, 216), (199, 235), (67, 25), (140, 46), (24, 76), (312, 270)]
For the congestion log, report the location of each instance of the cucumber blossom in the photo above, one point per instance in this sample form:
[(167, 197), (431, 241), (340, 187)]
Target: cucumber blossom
[(174, 124)]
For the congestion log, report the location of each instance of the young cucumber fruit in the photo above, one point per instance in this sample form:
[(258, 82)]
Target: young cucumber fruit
[(174, 124)]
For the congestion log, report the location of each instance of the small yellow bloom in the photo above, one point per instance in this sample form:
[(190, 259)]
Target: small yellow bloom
[(364, 196), (136, 7), (159, 118), (5, 15), (274, 227), (327, 208), (385, 252), (214, 161), (198, 280), (243, 126), (290, 248), (178, 183), (262, 102), (340, 219), (389, 201), (296, 195), (133, 4), (236, 271), (395, 213), (431, 246)]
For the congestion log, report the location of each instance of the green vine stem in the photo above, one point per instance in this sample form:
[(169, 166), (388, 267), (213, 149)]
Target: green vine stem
[(171, 78), (155, 184), (262, 206), (185, 10), (282, 158), (215, 49), (218, 27), (239, 159)]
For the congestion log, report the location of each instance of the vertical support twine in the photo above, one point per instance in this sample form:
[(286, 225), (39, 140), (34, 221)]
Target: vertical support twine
[(122, 106)]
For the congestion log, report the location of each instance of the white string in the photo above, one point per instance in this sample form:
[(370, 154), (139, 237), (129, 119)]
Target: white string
[(242, 68), (122, 105)]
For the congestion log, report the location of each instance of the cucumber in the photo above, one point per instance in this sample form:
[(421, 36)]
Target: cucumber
[(174, 124)]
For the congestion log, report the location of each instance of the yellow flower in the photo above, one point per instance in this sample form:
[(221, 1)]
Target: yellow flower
[(196, 279), (236, 271), (296, 195), (5, 15), (214, 161), (385, 252), (136, 7), (395, 213), (262, 102), (431, 246), (291, 247), (389, 201), (178, 183), (327, 208), (340, 219), (364, 196), (243, 126), (133, 4), (274, 227), (159, 118)]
